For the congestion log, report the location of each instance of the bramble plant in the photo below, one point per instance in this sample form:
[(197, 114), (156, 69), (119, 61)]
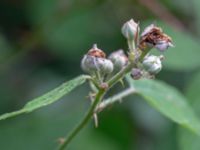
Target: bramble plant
[(137, 66)]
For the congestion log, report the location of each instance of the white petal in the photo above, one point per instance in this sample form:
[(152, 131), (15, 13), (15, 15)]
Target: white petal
[(163, 45), (147, 29)]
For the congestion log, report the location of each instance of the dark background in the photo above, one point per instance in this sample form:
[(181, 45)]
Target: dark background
[(41, 45)]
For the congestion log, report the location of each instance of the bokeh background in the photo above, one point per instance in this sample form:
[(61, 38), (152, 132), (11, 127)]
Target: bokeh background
[(41, 45)]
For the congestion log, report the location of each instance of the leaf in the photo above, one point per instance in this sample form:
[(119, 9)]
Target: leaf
[(169, 101), (185, 55), (187, 140), (49, 97)]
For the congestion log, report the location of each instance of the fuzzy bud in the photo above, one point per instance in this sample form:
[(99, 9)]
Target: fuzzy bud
[(136, 73), (130, 29), (107, 67), (119, 59), (95, 61), (152, 64)]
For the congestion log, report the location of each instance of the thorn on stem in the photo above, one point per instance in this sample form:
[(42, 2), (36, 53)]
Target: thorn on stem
[(61, 140), (91, 96), (96, 122)]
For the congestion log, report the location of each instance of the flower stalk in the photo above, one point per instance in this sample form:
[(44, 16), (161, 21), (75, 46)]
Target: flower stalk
[(85, 120)]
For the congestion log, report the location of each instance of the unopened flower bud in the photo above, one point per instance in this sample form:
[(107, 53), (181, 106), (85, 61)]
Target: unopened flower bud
[(119, 59), (130, 29), (95, 61), (152, 64), (107, 66), (136, 73), (153, 36)]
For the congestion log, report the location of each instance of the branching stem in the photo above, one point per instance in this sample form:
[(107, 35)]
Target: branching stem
[(85, 120), (120, 74), (91, 110), (116, 98)]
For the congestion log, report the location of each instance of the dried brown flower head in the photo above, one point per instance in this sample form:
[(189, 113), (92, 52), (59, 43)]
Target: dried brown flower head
[(96, 52), (153, 36)]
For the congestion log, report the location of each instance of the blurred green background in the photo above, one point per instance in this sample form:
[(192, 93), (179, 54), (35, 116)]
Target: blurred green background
[(41, 45)]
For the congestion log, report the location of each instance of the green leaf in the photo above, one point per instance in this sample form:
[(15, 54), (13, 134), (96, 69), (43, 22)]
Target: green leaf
[(169, 101), (187, 140), (185, 55), (49, 97)]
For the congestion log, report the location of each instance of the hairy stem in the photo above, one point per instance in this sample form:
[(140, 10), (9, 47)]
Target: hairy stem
[(131, 45), (120, 74), (91, 110), (114, 99), (85, 120)]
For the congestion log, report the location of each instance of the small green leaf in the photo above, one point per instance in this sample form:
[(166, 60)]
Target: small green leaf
[(187, 140), (169, 101), (49, 97)]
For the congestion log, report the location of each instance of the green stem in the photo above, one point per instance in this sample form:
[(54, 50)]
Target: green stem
[(131, 45), (95, 83), (120, 74), (85, 120), (114, 99), (90, 112), (144, 53)]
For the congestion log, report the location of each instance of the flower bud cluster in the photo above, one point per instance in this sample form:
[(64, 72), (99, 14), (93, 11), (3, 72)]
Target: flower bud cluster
[(142, 63)]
